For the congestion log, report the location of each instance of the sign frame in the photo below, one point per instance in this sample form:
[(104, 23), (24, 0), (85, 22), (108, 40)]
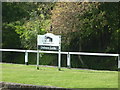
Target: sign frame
[(56, 43), (48, 41)]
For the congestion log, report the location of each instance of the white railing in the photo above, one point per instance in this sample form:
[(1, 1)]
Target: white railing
[(67, 53)]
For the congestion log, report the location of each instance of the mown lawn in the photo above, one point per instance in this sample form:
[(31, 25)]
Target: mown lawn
[(67, 78)]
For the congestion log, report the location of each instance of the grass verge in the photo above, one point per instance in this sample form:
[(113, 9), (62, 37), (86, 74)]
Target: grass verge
[(67, 78)]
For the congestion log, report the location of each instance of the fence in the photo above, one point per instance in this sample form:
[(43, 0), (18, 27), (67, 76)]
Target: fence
[(67, 53)]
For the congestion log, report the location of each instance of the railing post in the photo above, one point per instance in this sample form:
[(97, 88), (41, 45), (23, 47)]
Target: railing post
[(68, 60), (26, 57), (38, 59), (118, 61)]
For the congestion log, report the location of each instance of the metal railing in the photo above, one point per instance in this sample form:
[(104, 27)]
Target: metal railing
[(67, 53)]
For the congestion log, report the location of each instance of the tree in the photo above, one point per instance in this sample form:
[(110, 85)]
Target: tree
[(37, 23), (23, 22), (89, 27), (84, 26)]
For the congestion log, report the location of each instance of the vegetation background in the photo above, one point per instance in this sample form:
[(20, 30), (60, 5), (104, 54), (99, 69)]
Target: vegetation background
[(84, 27)]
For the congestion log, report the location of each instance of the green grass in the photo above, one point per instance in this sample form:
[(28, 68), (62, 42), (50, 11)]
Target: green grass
[(67, 78)]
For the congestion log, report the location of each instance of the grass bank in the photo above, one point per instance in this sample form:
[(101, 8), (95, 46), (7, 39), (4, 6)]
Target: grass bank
[(67, 78)]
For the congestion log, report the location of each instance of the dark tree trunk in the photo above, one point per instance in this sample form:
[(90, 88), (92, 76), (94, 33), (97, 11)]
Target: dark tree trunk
[(79, 56)]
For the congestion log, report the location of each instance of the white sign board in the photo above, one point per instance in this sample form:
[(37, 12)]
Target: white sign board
[(48, 41)]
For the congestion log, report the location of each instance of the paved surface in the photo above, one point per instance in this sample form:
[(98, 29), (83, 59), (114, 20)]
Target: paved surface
[(11, 86)]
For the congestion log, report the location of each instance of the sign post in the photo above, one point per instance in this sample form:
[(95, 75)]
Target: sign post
[(49, 41), (38, 59), (59, 55), (37, 55)]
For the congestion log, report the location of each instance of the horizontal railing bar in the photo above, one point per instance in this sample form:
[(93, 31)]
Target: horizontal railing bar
[(93, 54), (49, 52), (64, 52), (55, 52), (13, 50), (34, 51)]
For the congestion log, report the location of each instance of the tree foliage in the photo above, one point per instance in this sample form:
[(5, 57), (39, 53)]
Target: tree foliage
[(84, 26), (82, 23), (29, 20), (88, 27)]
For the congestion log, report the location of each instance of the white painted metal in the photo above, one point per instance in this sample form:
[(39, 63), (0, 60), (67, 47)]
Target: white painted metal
[(49, 52), (13, 50), (26, 57), (48, 41), (68, 60), (59, 54), (55, 52), (94, 54), (38, 59), (44, 40), (35, 51), (32, 51), (64, 52), (119, 61)]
